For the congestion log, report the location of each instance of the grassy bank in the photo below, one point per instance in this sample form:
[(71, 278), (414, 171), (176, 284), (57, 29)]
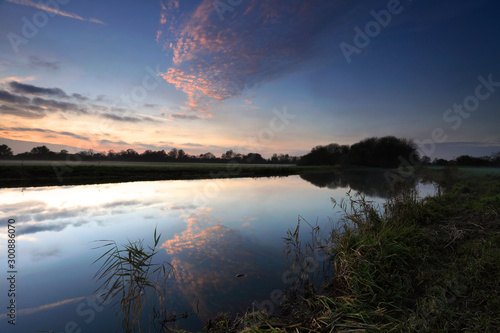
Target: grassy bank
[(15, 173), (428, 265), (53, 174)]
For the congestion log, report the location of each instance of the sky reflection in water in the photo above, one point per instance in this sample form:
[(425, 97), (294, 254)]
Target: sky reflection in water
[(237, 230)]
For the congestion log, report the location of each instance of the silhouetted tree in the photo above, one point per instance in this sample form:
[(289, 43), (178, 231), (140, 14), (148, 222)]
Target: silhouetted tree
[(181, 154), (207, 156), (385, 152), (127, 155), (495, 158), (426, 160), (466, 160), (111, 154), (228, 155), (5, 151), (40, 150), (174, 153), (88, 155), (100, 156), (254, 158), (131, 152), (440, 162), (331, 154), (153, 156)]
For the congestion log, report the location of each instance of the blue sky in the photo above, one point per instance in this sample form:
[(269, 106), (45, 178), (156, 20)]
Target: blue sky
[(252, 76)]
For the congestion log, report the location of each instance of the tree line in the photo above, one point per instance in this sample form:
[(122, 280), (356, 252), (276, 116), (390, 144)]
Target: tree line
[(385, 152), (130, 155)]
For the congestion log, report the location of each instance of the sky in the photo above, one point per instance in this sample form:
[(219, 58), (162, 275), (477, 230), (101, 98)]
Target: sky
[(252, 76)]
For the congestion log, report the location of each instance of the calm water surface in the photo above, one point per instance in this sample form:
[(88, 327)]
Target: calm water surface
[(211, 230)]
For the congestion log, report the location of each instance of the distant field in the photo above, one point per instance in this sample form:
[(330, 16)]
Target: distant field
[(54, 173), (134, 164), (15, 173), (473, 172), (480, 172)]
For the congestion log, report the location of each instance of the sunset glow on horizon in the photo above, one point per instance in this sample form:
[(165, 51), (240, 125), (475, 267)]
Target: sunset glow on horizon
[(248, 75)]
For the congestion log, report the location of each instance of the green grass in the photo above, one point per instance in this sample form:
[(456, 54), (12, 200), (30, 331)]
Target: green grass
[(45, 174), (56, 173)]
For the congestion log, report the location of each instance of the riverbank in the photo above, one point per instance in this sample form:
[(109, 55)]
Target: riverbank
[(422, 265), (34, 173), (48, 173)]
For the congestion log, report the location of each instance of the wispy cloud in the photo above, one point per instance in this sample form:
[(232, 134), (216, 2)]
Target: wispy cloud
[(57, 105), (30, 89), (20, 105), (128, 117), (259, 42), (107, 142), (36, 62), (121, 118), (80, 97), (94, 20), (32, 112), (182, 116), (22, 100), (11, 98), (50, 132), (54, 10)]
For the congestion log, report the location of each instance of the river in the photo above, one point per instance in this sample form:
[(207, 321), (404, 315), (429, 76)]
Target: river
[(224, 237)]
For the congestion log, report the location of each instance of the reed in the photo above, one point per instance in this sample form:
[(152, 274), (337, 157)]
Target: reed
[(128, 274)]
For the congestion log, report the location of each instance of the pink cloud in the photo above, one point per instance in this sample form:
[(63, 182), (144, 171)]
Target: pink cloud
[(258, 42)]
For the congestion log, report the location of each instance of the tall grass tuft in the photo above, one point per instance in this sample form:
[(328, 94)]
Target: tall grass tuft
[(375, 265), (128, 272), (308, 264), (375, 257)]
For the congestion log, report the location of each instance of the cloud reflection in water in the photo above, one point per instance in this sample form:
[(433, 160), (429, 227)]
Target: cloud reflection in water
[(207, 256)]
